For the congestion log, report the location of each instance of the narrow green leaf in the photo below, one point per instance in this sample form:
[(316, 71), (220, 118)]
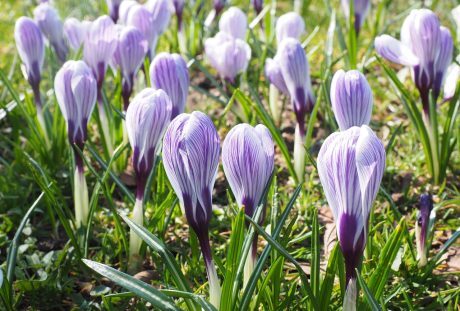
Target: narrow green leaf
[(206, 306), (328, 281), (372, 302), (315, 255), (436, 259)]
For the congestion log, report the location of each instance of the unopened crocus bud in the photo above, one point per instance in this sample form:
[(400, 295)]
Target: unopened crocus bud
[(141, 18), (350, 167), (274, 74), (426, 47), (360, 10), (169, 72), (219, 5), (161, 14), (51, 26), (191, 158), (229, 56), (31, 49), (351, 98), (75, 32), (421, 227), (129, 54), (258, 5), (179, 10), (289, 25), (234, 22), (75, 88), (147, 118), (114, 6), (125, 8)]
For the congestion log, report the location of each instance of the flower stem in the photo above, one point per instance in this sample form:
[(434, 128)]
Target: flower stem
[(299, 153), (349, 301), (80, 195), (275, 107), (213, 279), (250, 263), (134, 240)]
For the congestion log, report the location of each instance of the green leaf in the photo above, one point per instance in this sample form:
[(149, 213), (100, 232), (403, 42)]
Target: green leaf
[(435, 260), (140, 288), (315, 255), (328, 281), (373, 304), (388, 254), (206, 306)]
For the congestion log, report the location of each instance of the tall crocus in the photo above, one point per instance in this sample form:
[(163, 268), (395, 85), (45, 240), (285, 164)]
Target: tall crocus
[(31, 49), (141, 18), (296, 74), (229, 56), (75, 32), (76, 91), (351, 98), (289, 25), (147, 118), (129, 55), (169, 72), (234, 22), (51, 26), (426, 47), (248, 160), (161, 15), (422, 227), (114, 7), (191, 158), (350, 168), (360, 10), (99, 46)]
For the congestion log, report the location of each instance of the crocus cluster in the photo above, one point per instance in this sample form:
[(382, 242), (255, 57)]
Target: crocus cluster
[(227, 51), (360, 10), (75, 88), (350, 167), (426, 47)]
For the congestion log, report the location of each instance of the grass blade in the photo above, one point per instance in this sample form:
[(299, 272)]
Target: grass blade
[(373, 304)]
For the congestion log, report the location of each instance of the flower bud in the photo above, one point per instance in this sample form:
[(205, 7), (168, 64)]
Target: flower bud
[(360, 9), (75, 32), (141, 18), (351, 98), (289, 25), (219, 5), (161, 14), (443, 60), (125, 8), (258, 5), (421, 227), (452, 78), (169, 72), (114, 6), (274, 75), (234, 22)]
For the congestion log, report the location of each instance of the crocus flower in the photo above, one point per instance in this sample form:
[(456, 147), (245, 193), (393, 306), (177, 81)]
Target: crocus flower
[(114, 6), (76, 89), (75, 32), (258, 5), (452, 78), (294, 67), (179, 10), (141, 18), (289, 25), (219, 6), (229, 56), (421, 227), (360, 10), (248, 160), (147, 118), (125, 8), (191, 158), (169, 72), (50, 24), (161, 13), (234, 22), (274, 74), (350, 168), (425, 46), (351, 98), (31, 49), (130, 52)]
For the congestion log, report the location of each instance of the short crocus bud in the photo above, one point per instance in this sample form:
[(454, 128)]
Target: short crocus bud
[(169, 72), (351, 98), (421, 227), (50, 24), (229, 56), (114, 6), (426, 47), (31, 49), (360, 10), (147, 118), (248, 160), (76, 89), (289, 25), (258, 5), (130, 52), (191, 158), (75, 32), (141, 18), (125, 8), (350, 168), (234, 22)]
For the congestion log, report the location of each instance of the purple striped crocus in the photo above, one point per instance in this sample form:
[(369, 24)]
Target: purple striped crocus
[(191, 158), (161, 13), (234, 23), (426, 47), (169, 72), (229, 56), (129, 55), (50, 24), (147, 118), (248, 160), (114, 7), (350, 167), (294, 67), (422, 227), (125, 8), (141, 18), (360, 10), (76, 89), (75, 32), (351, 98), (289, 25)]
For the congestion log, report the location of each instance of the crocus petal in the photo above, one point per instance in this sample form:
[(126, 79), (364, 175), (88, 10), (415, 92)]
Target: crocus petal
[(125, 8), (161, 14), (275, 76), (452, 78), (234, 22), (289, 25), (75, 32), (394, 51), (132, 48)]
